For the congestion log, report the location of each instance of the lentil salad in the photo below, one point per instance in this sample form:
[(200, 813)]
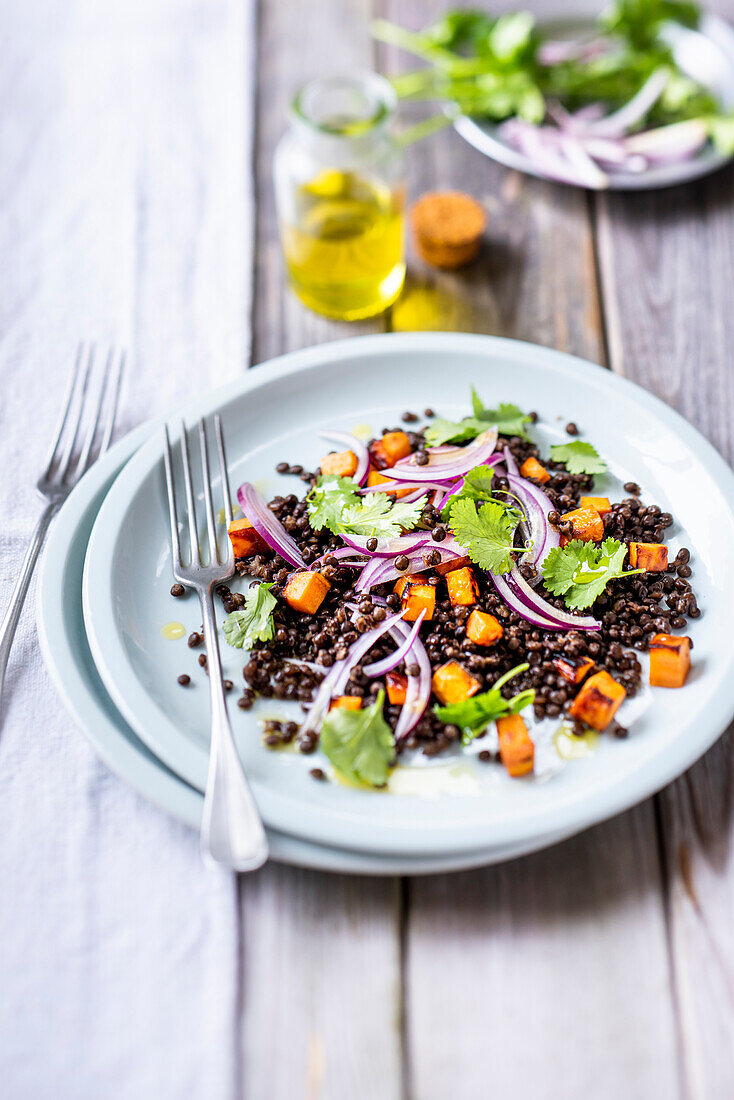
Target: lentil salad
[(483, 630)]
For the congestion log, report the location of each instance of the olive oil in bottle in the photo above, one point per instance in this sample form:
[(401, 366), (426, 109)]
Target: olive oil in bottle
[(339, 192), (344, 253)]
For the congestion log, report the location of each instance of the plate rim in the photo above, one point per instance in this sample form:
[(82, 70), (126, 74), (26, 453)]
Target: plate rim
[(714, 28), (152, 779), (693, 739)]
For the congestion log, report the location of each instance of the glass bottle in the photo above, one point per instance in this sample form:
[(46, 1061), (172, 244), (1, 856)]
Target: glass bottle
[(340, 196)]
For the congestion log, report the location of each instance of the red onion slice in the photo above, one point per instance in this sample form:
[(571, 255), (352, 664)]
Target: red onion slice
[(548, 150), (385, 487), (517, 594), (537, 507), (387, 664), (387, 547), (619, 122), (668, 144), (357, 447), (381, 571), (337, 676), (418, 691), (443, 467), (268, 526), (358, 649)]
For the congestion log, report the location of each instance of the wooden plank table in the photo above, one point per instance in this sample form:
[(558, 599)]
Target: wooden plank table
[(603, 967)]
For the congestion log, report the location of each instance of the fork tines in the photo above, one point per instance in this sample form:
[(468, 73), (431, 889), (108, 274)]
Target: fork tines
[(215, 556), (84, 430)]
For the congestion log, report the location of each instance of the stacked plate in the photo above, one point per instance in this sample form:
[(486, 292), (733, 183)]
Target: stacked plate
[(105, 609)]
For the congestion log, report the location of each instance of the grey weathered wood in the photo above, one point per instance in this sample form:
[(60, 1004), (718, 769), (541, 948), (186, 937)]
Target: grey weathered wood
[(667, 264), (548, 976), (297, 41), (321, 959)]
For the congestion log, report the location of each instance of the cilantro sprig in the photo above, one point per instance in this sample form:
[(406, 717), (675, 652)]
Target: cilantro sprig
[(253, 622), (487, 532), (360, 743), (581, 571), (508, 419), (334, 503), (474, 715), (578, 457), (477, 485)]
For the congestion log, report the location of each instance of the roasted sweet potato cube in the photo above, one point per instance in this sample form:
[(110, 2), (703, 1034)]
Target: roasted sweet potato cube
[(482, 628), (533, 470), (390, 449), (517, 751), (573, 669), (587, 524), (598, 701), (597, 504), (340, 463), (417, 598), (306, 591), (396, 685), (462, 586), (245, 539), (445, 567), (451, 683), (670, 660), (408, 578), (346, 702), (650, 556), (375, 478)]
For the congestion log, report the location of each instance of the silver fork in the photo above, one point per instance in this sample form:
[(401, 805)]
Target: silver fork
[(62, 473), (232, 831)]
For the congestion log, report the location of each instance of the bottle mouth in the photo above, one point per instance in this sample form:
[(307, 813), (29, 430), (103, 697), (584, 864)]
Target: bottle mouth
[(345, 106)]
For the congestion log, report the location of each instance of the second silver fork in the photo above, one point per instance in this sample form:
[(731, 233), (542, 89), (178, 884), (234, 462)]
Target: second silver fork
[(232, 831)]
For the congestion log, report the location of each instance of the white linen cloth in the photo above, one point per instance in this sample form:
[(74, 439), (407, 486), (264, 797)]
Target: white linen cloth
[(126, 213)]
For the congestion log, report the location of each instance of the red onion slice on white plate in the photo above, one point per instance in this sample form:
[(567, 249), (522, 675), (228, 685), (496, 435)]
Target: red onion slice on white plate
[(357, 447), (619, 122), (268, 526), (520, 597), (418, 691), (385, 548), (446, 466), (668, 144), (387, 664), (336, 679)]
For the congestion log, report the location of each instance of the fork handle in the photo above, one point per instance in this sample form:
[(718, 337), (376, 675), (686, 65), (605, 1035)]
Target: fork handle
[(232, 831), (10, 622)]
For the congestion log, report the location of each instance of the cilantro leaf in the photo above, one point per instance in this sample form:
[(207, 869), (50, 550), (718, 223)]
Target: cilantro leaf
[(487, 533), (721, 132), (474, 715), (452, 431), (578, 457), (328, 499), (477, 485), (581, 571), (377, 515), (359, 743), (253, 622), (510, 419), (334, 503)]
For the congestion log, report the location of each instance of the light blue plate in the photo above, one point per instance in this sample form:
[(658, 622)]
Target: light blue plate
[(273, 413), (68, 658)]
